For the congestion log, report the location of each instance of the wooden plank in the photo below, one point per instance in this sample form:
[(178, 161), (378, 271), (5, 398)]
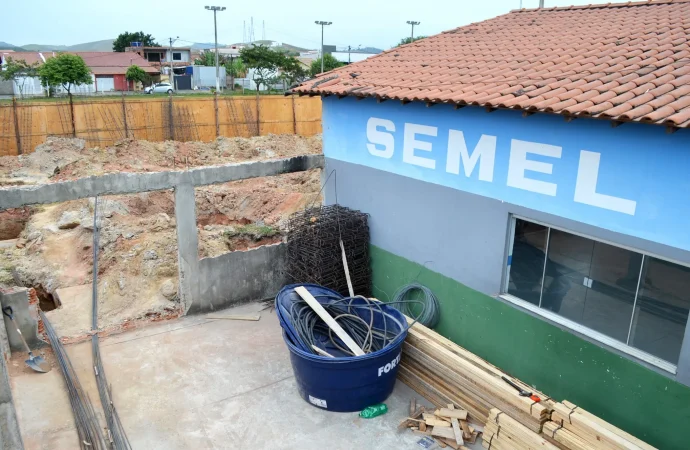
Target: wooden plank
[(513, 428), (437, 423), (443, 432), (457, 382), (471, 357), (601, 422), (436, 393), (450, 413), (484, 381), (330, 321), (590, 430), (567, 439), (456, 429)]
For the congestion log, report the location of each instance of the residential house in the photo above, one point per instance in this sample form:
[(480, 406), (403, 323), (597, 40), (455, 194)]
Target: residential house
[(161, 57), (108, 71), (532, 171)]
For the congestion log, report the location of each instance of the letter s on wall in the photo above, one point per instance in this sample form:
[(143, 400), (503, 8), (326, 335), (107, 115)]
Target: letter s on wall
[(380, 138)]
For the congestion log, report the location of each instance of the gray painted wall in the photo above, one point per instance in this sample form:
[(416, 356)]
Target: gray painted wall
[(242, 276), (461, 235)]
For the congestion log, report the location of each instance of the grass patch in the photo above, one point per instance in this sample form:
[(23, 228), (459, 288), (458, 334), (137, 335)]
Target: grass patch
[(252, 231)]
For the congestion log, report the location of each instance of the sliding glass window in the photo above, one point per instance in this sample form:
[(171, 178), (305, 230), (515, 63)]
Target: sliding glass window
[(633, 298)]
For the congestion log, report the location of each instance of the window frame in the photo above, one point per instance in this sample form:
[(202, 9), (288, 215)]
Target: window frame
[(179, 56), (570, 324)]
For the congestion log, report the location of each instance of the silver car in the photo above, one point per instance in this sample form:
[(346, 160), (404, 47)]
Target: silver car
[(159, 88)]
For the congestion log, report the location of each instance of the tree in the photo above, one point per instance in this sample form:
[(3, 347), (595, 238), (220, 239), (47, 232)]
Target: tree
[(292, 71), (19, 72), (329, 63), (235, 67), (136, 73), (265, 62), (64, 70), (409, 40), (208, 58), (125, 40)]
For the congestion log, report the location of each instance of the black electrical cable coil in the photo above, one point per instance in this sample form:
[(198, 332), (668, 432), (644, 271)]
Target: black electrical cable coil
[(308, 325), (429, 316)]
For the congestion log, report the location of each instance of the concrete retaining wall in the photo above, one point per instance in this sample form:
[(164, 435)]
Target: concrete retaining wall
[(241, 276), (129, 183)]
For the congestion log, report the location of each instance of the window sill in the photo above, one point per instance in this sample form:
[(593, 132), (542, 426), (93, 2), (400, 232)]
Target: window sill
[(594, 335)]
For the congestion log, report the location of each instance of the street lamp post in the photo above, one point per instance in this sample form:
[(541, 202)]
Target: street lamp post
[(413, 23), (322, 23), (215, 32)]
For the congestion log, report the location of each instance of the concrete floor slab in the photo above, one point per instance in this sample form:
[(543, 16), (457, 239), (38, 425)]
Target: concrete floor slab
[(198, 383)]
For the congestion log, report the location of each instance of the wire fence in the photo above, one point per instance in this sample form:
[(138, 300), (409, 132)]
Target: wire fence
[(24, 125)]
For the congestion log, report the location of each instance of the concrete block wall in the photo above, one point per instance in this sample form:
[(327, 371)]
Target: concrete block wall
[(242, 276)]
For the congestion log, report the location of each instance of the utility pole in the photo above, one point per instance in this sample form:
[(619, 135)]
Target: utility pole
[(322, 23), (348, 54), (413, 23), (541, 3), (215, 31), (172, 77)]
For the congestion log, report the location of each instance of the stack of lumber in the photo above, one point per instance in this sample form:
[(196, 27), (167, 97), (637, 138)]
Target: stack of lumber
[(574, 428), (502, 432), (448, 426), (444, 372)]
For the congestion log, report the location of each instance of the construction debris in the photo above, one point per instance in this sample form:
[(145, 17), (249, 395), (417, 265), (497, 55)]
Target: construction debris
[(448, 426)]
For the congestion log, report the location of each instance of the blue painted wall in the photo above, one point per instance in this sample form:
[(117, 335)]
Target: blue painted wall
[(643, 171)]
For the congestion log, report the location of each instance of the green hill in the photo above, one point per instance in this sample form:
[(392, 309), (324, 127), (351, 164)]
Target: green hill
[(6, 46), (105, 45)]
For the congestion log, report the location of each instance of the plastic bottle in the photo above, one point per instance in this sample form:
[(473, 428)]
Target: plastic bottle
[(372, 411)]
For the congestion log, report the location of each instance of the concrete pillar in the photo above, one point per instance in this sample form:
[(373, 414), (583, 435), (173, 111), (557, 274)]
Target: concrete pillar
[(683, 368), (26, 316), (187, 246)]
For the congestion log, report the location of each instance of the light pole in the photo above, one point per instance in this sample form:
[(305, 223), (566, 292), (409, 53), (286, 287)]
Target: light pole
[(413, 23), (172, 75), (215, 32), (322, 23)]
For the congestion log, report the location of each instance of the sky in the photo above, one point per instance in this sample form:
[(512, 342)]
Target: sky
[(375, 23)]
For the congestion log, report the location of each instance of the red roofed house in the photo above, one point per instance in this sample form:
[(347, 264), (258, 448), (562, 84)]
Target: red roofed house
[(108, 70), (533, 171)]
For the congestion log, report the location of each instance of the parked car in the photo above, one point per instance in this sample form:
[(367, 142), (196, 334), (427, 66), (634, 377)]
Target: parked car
[(160, 88)]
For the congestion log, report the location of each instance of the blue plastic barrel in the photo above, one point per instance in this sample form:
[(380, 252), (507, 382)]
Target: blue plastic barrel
[(346, 384)]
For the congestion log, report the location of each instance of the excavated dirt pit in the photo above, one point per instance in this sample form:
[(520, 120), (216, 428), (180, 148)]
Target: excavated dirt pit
[(138, 275)]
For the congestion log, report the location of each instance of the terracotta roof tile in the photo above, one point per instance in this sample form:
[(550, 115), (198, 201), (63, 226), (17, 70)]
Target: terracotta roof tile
[(632, 63)]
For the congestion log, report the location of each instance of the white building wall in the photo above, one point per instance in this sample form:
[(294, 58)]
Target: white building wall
[(205, 76), (185, 54)]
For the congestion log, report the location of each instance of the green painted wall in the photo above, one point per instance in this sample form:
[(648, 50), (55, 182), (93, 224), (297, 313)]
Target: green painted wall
[(630, 396)]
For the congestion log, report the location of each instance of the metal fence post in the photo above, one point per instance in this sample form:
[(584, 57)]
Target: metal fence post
[(17, 138)]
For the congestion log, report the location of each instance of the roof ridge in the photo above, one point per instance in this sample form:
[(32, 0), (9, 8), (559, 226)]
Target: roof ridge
[(601, 6)]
